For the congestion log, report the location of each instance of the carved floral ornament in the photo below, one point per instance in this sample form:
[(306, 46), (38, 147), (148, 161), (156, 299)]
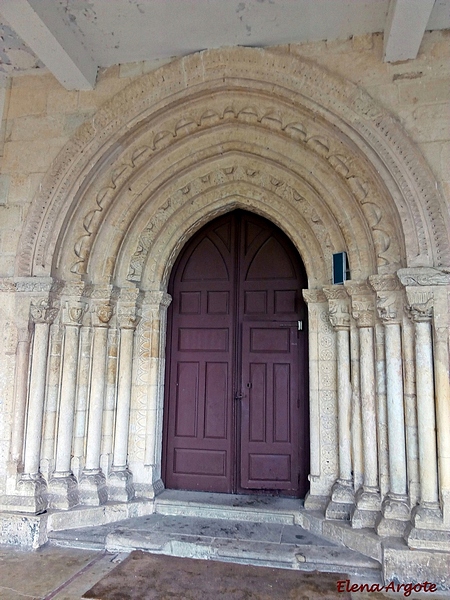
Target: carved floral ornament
[(41, 311), (335, 104)]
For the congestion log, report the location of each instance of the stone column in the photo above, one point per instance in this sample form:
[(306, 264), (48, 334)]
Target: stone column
[(441, 317), (51, 404), (342, 496), (120, 481), (427, 293), (20, 394), (149, 382), (92, 484), (106, 458), (63, 488), (323, 403), (32, 484), (368, 502), (395, 507), (82, 400)]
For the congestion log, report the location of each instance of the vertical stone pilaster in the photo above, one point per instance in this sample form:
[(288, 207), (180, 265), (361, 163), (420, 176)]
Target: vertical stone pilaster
[(149, 382), (63, 488), (323, 403), (395, 507), (368, 502), (120, 481), (342, 496), (92, 483)]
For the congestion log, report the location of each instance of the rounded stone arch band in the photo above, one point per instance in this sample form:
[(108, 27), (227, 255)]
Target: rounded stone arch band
[(266, 100)]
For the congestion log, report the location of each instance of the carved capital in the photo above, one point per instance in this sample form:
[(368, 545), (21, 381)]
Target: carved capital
[(390, 306), (339, 314), (424, 276), (73, 312), (127, 317), (420, 304), (42, 312), (101, 314)]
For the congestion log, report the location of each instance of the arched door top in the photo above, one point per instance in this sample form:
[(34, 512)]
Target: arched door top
[(111, 181)]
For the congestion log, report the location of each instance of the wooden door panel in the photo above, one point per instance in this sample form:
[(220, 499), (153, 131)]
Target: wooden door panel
[(232, 332), (269, 406)]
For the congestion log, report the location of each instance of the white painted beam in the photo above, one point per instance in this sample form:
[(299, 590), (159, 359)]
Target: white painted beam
[(41, 26), (405, 25)]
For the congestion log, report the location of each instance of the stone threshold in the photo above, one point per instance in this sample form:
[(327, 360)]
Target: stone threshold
[(255, 530)]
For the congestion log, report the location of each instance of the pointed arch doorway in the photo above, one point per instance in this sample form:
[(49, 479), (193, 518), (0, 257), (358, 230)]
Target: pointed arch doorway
[(236, 401)]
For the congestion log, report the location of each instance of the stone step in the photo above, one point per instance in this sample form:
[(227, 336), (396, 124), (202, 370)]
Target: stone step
[(258, 509), (270, 544)]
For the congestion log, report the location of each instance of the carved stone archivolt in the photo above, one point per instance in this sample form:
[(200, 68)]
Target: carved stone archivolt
[(336, 128)]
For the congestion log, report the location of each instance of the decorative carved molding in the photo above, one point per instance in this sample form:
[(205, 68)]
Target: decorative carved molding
[(384, 283), (424, 276), (314, 296), (156, 298), (348, 104)]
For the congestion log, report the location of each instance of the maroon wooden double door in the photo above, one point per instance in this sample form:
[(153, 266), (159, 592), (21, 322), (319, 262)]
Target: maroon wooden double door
[(236, 414)]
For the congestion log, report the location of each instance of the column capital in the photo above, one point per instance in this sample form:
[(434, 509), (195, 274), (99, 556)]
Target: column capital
[(41, 311), (72, 312), (420, 303), (390, 306), (101, 313), (384, 283), (339, 307), (363, 302), (314, 296)]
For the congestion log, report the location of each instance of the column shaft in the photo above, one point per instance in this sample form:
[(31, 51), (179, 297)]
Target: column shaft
[(369, 421), (67, 404), (426, 413), (96, 399), (396, 416), (36, 399), (123, 398), (20, 399), (344, 404)]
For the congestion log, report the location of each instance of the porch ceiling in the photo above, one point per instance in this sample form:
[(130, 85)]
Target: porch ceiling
[(73, 38)]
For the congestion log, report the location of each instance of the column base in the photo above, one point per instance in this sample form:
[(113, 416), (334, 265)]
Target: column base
[(120, 485), (395, 516), (342, 501), (63, 491), (92, 488), (315, 502), (367, 509), (31, 496), (427, 539), (427, 529)]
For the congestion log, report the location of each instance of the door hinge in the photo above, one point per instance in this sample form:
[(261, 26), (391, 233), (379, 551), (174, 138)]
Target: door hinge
[(299, 325)]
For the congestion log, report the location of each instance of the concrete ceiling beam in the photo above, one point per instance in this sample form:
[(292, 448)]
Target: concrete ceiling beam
[(405, 25), (41, 26)]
